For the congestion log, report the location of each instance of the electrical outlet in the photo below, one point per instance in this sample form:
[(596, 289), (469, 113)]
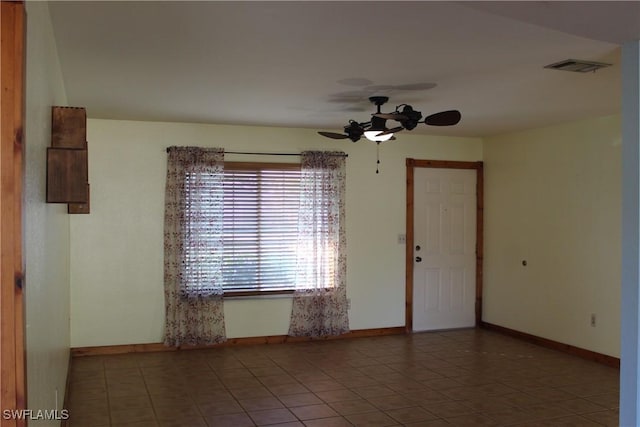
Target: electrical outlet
[(402, 239), (593, 320)]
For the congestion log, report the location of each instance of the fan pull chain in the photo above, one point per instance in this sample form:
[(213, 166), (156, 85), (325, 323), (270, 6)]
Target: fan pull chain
[(377, 156)]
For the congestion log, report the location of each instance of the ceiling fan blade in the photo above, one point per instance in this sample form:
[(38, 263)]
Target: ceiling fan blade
[(333, 135), (393, 130), (390, 116), (444, 118)]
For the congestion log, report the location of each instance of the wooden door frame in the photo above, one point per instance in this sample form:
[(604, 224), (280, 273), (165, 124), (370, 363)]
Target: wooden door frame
[(12, 345), (442, 164)]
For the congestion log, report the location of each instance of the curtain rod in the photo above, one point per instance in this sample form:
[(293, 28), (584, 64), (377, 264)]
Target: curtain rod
[(276, 154), (270, 154)]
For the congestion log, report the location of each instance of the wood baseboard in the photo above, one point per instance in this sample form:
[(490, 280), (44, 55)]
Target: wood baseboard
[(273, 339), (611, 361)]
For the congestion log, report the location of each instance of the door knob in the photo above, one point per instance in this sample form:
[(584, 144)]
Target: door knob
[(418, 259)]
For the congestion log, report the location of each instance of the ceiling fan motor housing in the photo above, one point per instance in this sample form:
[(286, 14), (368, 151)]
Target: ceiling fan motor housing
[(354, 131), (378, 124), (413, 117)]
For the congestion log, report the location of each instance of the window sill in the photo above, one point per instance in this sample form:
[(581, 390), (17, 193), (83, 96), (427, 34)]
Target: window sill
[(257, 294)]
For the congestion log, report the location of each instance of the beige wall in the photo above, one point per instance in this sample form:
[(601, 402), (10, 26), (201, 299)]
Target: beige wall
[(553, 198), (46, 226), (117, 250)]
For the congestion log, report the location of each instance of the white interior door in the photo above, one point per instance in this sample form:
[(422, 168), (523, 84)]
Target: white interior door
[(444, 260)]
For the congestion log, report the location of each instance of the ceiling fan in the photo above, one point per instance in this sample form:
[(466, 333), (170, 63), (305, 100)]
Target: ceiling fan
[(376, 130)]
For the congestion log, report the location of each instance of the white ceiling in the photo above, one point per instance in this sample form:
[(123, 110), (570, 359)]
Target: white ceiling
[(314, 64)]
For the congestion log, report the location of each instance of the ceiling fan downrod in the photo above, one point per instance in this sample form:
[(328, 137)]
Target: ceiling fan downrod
[(378, 101)]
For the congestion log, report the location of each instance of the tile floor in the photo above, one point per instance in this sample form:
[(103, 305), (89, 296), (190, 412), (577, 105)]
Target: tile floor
[(455, 378)]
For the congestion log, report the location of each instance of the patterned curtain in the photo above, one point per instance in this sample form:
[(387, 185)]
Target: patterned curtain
[(320, 298), (193, 247)]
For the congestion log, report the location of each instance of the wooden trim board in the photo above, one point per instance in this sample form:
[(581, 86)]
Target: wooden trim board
[(604, 359), (274, 339), (443, 164), (409, 244), (12, 354)]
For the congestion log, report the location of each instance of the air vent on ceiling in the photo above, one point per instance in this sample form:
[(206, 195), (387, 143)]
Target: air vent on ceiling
[(577, 66)]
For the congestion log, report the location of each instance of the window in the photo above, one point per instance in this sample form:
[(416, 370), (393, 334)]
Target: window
[(249, 229), (260, 227)]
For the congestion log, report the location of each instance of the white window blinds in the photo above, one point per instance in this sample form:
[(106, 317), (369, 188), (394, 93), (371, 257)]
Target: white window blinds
[(260, 226)]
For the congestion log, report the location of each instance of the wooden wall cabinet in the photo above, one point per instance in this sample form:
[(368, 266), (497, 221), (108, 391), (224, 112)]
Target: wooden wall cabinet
[(69, 127), (67, 159), (66, 175)]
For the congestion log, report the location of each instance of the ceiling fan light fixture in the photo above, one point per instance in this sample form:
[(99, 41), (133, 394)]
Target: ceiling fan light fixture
[(374, 135), (376, 132)]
